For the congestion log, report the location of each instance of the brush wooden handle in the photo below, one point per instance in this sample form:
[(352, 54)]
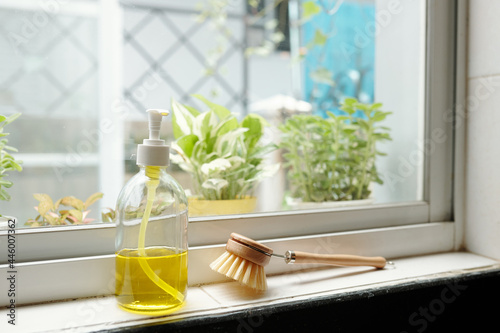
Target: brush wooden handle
[(299, 257)]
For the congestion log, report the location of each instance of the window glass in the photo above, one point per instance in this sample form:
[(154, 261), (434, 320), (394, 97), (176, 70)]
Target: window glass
[(320, 75)]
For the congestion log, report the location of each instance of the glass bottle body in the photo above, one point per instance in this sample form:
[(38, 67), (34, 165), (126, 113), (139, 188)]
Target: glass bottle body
[(151, 243)]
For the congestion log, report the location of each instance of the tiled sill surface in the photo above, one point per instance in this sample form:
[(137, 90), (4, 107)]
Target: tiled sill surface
[(95, 314)]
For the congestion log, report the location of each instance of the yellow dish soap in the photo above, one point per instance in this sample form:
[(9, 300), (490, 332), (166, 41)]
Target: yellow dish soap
[(151, 236)]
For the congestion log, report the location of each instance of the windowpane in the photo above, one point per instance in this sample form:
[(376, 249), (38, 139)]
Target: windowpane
[(49, 73), (282, 60)]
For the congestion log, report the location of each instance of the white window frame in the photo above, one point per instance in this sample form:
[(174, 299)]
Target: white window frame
[(62, 262)]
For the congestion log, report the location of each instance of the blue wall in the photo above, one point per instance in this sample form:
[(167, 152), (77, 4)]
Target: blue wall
[(348, 54)]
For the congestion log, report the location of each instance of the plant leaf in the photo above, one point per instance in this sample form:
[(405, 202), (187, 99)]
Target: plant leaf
[(11, 118), (45, 203), (77, 214), (310, 8), (217, 165), (219, 110), (204, 123), (226, 142), (255, 127), (227, 125), (51, 219), (319, 38), (215, 184), (72, 202), (6, 183), (4, 195), (91, 199), (56, 205), (182, 120), (186, 143)]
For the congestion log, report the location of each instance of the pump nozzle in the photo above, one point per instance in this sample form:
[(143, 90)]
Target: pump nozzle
[(155, 117), (154, 151)]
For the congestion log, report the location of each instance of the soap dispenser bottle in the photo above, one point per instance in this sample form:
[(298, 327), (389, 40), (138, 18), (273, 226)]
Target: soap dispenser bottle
[(151, 234)]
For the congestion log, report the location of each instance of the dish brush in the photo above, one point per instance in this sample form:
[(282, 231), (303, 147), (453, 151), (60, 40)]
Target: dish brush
[(244, 261)]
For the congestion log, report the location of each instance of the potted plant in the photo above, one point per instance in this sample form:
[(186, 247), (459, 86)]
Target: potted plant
[(332, 159), (224, 156), (53, 213), (7, 163)]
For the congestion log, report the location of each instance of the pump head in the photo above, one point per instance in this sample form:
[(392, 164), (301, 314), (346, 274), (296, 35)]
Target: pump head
[(154, 151), (155, 117)]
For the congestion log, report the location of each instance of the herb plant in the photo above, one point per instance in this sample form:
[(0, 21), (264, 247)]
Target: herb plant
[(7, 161), (50, 213), (224, 156), (333, 158)]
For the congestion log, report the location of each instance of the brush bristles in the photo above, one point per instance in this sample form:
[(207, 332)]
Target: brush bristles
[(241, 270)]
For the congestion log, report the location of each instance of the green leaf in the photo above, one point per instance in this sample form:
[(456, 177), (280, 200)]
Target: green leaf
[(320, 38), (16, 165), (363, 124), (204, 123), (263, 150), (350, 129), (186, 143), (219, 110), (192, 110), (350, 101), (227, 125), (225, 143), (13, 117), (10, 148), (4, 195), (310, 8), (5, 183), (255, 125), (182, 120), (380, 115), (382, 136)]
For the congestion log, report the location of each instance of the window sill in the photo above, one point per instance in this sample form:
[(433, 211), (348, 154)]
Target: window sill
[(241, 309)]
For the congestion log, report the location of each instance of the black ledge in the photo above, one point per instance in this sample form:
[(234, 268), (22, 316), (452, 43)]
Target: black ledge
[(469, 302)]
